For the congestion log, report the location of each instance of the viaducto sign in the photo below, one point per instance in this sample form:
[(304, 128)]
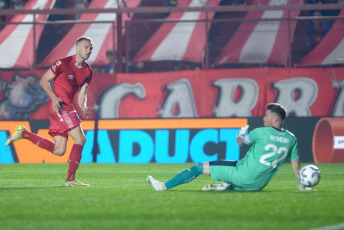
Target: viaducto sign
[(137, 141)]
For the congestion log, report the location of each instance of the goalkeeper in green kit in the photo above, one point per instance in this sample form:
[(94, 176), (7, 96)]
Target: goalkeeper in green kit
[(271, 147)]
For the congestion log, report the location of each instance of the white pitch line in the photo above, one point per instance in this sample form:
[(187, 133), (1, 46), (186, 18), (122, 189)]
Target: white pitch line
[(330, 227)]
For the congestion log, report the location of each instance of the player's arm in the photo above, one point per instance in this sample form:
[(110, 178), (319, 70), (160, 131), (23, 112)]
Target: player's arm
[(240, 141), (82, 99), (240, 135), (296, 168), (45, 84)]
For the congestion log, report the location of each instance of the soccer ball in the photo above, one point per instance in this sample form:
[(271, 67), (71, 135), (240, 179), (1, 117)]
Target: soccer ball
[(310, 175)]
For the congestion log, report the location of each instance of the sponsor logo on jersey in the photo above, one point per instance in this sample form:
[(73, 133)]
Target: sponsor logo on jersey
[(58, 63), (77, 117), (70, 77), (54, 68)]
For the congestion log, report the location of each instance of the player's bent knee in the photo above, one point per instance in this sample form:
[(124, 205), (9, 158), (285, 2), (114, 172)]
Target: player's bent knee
[(80, 141), (83, 140), (206, 168), (59, 152)]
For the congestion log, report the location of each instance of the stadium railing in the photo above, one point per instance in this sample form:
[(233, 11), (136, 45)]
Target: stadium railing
[(146, 20)]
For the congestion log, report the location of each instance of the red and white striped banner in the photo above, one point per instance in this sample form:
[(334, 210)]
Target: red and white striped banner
[(330, 51), (179, 41), (101, 34), (16, 40), (259, 40)]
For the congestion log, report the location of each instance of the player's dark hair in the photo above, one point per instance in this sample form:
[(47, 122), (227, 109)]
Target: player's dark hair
[(279, 109), (82, 38)]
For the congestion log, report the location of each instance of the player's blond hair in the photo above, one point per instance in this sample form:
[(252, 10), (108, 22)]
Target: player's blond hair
[(82, 38)]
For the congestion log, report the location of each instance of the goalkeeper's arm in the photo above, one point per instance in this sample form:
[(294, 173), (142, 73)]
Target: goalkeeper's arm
[(296, 168), (240, 135)]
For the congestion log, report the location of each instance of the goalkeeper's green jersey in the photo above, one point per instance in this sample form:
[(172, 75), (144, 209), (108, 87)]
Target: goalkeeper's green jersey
[(270, 148)]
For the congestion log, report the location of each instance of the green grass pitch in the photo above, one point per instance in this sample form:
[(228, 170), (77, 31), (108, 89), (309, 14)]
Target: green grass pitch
[(32, 196)]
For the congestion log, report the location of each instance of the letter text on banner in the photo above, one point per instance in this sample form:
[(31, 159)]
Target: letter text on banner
[(338, 142)]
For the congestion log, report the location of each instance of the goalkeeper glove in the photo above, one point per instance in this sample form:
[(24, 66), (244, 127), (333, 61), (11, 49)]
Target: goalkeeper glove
[(304, 188), (242, 131)]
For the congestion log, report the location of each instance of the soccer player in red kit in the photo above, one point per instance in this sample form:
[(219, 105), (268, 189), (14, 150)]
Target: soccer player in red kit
[(70, 75)]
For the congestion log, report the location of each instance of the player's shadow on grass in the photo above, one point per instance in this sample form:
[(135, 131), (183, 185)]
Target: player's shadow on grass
[(226, 191)]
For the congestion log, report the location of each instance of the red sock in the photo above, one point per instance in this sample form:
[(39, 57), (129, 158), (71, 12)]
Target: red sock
[(39, 141), (74, 161)]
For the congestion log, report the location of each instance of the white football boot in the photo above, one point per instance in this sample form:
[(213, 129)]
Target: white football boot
[(157, 185), (216, 187)]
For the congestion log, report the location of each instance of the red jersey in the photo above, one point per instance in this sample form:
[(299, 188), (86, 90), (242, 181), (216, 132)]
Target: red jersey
[(69, 78)]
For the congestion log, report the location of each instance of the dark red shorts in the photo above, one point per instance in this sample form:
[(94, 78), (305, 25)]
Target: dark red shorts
[(63, 121)]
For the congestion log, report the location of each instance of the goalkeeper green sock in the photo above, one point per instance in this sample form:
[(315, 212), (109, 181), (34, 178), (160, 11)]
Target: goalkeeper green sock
[(185, 176)]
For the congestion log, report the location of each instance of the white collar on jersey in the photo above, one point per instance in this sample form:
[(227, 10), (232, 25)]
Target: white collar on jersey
[(79, 67)]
